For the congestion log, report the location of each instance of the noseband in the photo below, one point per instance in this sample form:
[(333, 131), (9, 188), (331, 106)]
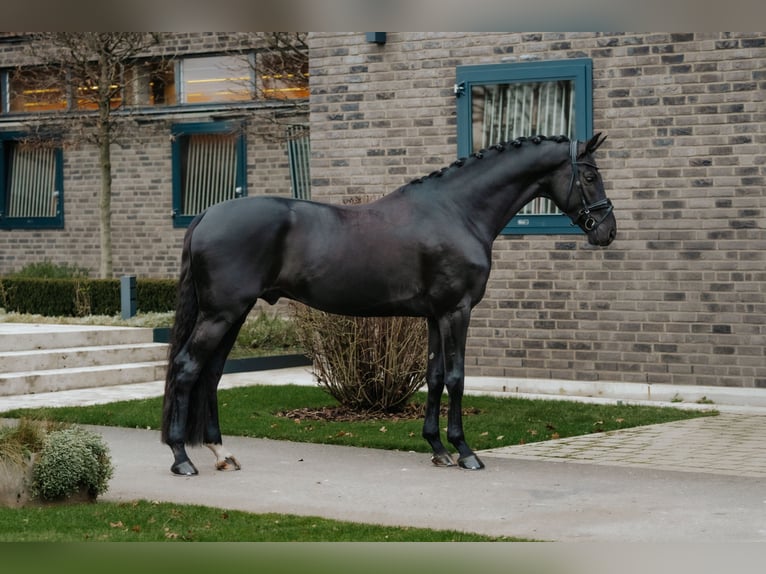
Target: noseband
[(585, 217)]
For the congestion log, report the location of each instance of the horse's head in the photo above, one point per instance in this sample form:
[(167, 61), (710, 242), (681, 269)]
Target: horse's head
[(578, 190)]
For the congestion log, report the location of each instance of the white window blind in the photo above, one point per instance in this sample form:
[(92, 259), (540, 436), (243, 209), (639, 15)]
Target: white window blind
[(299, 153), (32, 182), (502, 112), (211, 171)]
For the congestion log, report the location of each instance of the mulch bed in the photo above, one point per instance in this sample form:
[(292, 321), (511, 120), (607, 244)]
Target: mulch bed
[(411, 411)]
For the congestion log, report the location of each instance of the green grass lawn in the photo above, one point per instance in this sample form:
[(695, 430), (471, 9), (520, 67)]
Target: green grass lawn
[(253, 411), (490, 422), (144, 521)]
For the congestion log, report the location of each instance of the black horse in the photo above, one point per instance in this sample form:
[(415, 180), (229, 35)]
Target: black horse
[(423, 250)]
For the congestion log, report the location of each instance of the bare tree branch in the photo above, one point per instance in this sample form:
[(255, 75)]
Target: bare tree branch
[(88, 69)]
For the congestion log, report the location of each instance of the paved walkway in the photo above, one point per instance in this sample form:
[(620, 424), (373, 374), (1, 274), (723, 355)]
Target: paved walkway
[(729, 443), (696, 480)]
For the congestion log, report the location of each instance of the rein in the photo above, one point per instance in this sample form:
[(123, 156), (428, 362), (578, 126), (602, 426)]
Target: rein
[(585, 219)]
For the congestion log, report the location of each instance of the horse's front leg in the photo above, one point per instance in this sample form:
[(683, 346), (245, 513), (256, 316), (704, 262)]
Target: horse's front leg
[(454, 330), (435, 380)]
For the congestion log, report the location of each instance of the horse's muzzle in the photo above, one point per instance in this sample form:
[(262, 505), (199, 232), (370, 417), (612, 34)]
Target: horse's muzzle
[(603, 233)]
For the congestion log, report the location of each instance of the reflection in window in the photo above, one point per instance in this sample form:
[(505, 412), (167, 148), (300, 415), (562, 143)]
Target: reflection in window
[(216, 79)]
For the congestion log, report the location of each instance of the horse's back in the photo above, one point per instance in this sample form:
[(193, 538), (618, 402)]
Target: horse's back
[(382, 258)]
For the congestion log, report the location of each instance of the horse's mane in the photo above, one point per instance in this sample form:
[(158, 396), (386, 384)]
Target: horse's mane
[(499, 147)]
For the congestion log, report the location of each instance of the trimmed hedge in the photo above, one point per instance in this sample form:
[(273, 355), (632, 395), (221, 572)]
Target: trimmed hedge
[(79, 297)]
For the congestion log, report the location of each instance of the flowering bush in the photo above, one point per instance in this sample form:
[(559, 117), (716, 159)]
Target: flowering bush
[(71, 460)]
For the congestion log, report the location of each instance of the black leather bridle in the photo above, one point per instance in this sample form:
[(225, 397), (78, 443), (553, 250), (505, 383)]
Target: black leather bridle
[(585, 217)]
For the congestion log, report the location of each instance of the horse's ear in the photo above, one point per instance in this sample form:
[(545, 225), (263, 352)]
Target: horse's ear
[(594, 143)]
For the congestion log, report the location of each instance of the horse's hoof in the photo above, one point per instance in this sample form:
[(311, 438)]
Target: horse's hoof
[(185, 468), (442, 459), (470, 462), (229, 463)]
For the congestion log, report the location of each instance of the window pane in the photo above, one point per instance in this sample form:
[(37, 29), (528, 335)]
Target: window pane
[(209, 171), (31, 181), (150, 83), (502, 112), (299, 154), (217, 79), (284, 78), (33, 91), (87, 96)]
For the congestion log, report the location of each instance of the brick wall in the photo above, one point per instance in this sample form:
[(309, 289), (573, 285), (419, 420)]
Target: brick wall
[(680, 297), (145, 243)]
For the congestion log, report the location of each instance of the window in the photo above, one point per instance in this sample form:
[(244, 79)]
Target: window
[(284, 78), (504, 101), (216, 79), (31, 175), (208, 167), (150, 83), (32, 90), (299, 156), (36, 90), (203, 80)]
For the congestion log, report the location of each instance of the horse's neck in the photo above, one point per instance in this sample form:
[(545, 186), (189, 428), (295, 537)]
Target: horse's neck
[(495, 188)]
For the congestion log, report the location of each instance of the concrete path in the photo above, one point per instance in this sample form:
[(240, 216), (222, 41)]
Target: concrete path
[(689, 481), (524, 496)]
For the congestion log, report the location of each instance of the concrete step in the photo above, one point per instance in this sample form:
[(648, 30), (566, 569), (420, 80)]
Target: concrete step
[(42, 358), (23, 336), (73, 357), (50, 380)]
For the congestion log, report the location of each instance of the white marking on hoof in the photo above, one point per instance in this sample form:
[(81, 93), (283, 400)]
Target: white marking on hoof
[(224, 460)]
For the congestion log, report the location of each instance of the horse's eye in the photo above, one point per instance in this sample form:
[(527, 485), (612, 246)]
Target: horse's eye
[(590, 178)]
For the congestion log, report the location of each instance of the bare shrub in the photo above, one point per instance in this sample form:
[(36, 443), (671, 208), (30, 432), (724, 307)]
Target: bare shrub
[(366, 363)]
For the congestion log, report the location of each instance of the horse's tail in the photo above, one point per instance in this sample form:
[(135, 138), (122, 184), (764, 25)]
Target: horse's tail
[(183, 325)]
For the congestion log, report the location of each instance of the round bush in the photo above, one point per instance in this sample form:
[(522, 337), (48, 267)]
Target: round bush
[(71, 460)]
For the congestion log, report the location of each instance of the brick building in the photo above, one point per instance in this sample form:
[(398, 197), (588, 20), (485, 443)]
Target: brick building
[(195, 95), (679, 298)]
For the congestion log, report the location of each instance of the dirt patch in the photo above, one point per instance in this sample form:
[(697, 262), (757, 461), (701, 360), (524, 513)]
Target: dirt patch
[(413, 411)]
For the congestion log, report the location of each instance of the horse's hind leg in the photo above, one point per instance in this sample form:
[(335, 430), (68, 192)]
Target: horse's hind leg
[(224, 460), (435, 380), (186, 375), (189, 389)]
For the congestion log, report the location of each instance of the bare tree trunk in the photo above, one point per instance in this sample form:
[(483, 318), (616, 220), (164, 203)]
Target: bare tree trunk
[(105, 197), (93, 64), (105, 204)]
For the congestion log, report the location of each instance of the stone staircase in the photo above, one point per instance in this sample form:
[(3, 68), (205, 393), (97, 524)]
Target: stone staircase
[(39, 358)]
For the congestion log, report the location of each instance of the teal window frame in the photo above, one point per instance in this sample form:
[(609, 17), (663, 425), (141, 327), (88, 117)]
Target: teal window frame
[(578, 70), (178, 132), (52, 222)]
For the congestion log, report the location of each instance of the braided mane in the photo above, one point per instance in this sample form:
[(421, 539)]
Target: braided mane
[(515, 143)]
